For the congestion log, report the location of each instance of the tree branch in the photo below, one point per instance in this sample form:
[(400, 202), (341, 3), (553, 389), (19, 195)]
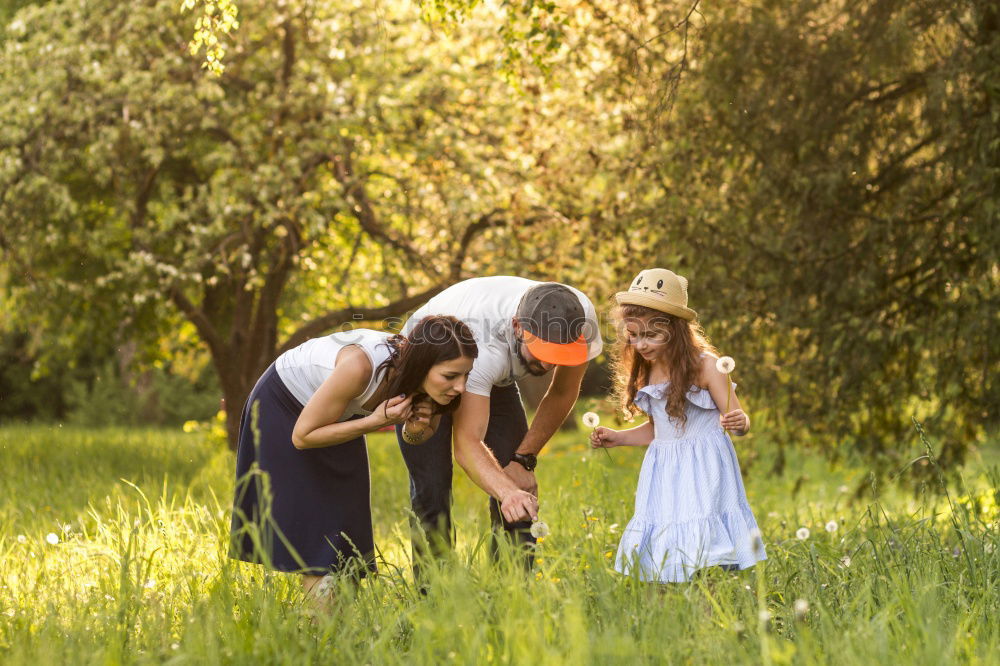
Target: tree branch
[(197, 317), (354, 191), (332, 319)]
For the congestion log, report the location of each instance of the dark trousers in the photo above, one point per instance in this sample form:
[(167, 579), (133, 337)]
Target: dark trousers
[(430, 469)]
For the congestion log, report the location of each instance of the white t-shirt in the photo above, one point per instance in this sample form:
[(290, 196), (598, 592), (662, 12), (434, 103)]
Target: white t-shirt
[(488, 306), (304, 368)]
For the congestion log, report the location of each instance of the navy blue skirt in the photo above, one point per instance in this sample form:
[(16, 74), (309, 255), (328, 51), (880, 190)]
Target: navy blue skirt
[(305, 511)]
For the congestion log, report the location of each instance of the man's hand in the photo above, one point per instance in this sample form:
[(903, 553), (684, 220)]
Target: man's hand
[(518, 506), (524, 479)]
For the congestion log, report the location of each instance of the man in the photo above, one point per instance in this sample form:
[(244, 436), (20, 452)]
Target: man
[(521, 327)]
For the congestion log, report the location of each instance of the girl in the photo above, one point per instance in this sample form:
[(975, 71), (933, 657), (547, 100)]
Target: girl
[(691, 510), (304, 425)]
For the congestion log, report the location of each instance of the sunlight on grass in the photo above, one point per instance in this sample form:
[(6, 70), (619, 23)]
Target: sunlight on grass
[(113, 548)]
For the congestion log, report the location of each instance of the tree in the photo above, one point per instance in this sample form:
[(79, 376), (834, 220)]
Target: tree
[(135, 189), (829, 178)]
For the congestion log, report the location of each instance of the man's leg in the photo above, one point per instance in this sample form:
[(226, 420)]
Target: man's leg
[(430, 470), (508, 426)]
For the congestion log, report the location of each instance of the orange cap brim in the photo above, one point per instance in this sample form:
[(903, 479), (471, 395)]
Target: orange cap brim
[(571, 353)]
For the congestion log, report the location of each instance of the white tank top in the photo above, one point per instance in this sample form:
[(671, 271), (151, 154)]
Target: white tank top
[(304, 368)]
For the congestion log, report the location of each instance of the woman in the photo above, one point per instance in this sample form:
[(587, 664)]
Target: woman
[(304, 425)]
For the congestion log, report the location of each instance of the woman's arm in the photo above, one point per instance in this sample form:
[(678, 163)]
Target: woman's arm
[(735, 420), (317, 424)]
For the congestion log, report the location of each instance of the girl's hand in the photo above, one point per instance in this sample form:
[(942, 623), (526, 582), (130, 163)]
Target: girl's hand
[(736, 421), (605, 438), (394, 410)]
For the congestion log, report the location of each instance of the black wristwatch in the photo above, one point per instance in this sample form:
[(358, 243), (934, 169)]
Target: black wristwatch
[(526, 460)]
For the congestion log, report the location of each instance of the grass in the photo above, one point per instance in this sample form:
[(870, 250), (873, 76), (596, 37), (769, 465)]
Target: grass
[(139, 573)]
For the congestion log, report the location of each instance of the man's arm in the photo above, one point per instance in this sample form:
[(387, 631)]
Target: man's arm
[(469, 428), (554, 407)]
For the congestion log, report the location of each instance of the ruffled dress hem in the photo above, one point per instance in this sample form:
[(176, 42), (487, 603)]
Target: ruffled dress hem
[(673, 552)]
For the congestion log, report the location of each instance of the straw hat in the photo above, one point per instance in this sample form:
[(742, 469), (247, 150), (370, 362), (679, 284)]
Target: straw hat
[(661, 290)]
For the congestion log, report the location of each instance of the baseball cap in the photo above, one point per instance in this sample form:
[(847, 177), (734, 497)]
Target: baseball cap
[(552, 319)]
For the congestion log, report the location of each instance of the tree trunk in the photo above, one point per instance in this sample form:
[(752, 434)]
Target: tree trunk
[(233, 396), (236, 386)]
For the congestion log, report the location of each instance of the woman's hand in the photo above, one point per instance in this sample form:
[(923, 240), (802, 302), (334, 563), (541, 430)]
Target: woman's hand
[(418, 427), (736, 421), (394, 410), (519, 505), (420, 416), (605, 438)]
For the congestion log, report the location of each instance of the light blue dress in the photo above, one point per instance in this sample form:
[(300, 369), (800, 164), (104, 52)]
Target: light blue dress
[(691, 509)]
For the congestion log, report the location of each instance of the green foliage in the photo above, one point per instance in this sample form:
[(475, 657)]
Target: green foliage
[(218, 18), (140, 571), (823, 173), (333, 163), (113, 396), (23, 396)]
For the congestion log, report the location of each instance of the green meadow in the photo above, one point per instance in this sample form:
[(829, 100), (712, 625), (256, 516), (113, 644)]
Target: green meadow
[(113, 550)]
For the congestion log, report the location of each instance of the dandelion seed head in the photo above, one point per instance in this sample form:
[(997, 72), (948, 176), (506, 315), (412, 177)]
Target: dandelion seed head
[(802, 533), (831, 526), (22, 539), (591, 420), (539, 529), (725, 364), (801, 608), (325, 587), (52, 538), (764, 615)]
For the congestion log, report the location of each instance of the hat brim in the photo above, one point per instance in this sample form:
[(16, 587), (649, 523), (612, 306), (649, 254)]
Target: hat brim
[(652, 301), (570, 353)]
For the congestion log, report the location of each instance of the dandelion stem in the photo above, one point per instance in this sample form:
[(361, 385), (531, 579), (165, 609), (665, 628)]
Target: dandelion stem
[(606, 452), (729, 392)]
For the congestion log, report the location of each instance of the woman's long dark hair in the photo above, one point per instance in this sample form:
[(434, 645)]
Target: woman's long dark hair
[(435, 339)]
